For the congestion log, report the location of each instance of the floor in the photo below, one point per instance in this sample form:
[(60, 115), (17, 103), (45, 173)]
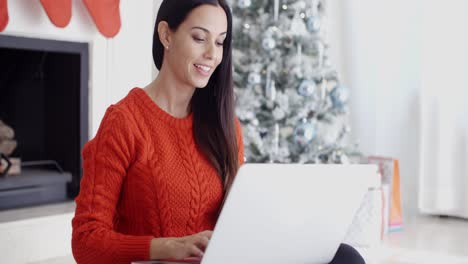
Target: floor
[(424, 239)]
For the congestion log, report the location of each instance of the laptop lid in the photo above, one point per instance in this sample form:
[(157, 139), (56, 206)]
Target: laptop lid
[(288, 213)]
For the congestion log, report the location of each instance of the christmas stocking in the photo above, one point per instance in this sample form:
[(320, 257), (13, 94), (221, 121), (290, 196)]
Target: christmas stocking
[(58, 11), (106, 15), (3, 14)]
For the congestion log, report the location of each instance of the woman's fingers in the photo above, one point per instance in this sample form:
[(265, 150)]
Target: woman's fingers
[(194, 245), (207, 233), (193, 250), (201, 241)]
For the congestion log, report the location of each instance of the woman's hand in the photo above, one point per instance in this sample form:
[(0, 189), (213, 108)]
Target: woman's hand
[(180, 247)]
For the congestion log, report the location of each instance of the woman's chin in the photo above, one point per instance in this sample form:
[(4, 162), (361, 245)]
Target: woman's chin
[(200, 85)]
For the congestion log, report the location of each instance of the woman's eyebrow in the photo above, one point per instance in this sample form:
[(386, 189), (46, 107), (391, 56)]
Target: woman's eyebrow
[(206, 30)]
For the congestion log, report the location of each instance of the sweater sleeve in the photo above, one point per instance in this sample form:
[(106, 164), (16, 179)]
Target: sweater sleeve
[(105, 162), (240, 142)]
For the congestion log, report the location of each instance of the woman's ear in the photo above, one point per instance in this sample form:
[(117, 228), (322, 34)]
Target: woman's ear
[(164, 33)]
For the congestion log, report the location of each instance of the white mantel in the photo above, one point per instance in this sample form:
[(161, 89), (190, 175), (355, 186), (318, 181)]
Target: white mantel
[(116, 65)]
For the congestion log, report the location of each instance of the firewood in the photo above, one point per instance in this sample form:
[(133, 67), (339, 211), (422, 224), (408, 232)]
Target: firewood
[(6, 132), (15, 168), (7, 146)]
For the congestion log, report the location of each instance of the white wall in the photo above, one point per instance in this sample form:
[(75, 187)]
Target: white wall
[(116, 65), (380, 54), (335, 35)]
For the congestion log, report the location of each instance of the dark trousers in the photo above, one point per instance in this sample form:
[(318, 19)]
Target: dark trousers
[(347, 254)]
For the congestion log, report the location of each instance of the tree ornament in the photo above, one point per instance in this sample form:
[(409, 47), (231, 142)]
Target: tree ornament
[(339, 96), (268, 43), (244, 3), (307, 88), (298, 27), (254, 78), (270, 91), (314, 24), (305, 132)]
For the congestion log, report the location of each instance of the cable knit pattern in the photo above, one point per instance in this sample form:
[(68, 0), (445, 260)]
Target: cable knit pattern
[(143, 177), (156, 212), (164, 215), (198, 184)]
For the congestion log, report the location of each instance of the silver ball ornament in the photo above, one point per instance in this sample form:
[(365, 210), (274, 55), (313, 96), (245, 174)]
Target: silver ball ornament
[(305, 132), (314, 24), (254, 78), (339, 96), (244, 3), (307, 88), (268, 43)]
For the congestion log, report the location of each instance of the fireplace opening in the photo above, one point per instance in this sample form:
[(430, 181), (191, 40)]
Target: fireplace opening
[(44, 99)]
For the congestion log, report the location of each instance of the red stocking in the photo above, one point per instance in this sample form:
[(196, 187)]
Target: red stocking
[(58, 11), (106, 15), (3, 15)]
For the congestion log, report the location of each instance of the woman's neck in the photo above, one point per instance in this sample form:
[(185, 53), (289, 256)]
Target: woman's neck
[(169, 95)]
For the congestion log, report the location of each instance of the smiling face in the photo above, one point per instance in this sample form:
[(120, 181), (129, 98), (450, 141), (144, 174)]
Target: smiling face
[(195, 49)]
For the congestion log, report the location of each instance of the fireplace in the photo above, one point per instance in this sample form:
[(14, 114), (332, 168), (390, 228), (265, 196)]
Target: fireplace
[(44, 98)]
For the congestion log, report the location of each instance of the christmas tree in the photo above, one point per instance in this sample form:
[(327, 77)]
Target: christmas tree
[(291, 104)]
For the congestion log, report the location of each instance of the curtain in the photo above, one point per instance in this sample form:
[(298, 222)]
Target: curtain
[(443, 146)]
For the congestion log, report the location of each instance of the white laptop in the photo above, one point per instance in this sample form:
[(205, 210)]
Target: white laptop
[(286, 213)]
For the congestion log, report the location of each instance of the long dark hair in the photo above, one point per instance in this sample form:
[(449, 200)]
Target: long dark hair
[(214, 125)]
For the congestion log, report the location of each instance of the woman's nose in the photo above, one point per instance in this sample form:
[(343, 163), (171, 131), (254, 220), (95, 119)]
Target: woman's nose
[(210, 52)]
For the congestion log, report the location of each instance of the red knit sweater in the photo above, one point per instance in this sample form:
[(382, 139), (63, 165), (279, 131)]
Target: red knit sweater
[(143, 177)]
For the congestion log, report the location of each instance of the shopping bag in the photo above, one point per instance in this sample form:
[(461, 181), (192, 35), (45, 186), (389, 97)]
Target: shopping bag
[(390, 173)]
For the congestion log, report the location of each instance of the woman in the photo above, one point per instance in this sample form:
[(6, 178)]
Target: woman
[(155, 174)]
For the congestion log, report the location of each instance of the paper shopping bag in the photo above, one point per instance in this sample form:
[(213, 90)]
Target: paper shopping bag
[(390, 173)]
